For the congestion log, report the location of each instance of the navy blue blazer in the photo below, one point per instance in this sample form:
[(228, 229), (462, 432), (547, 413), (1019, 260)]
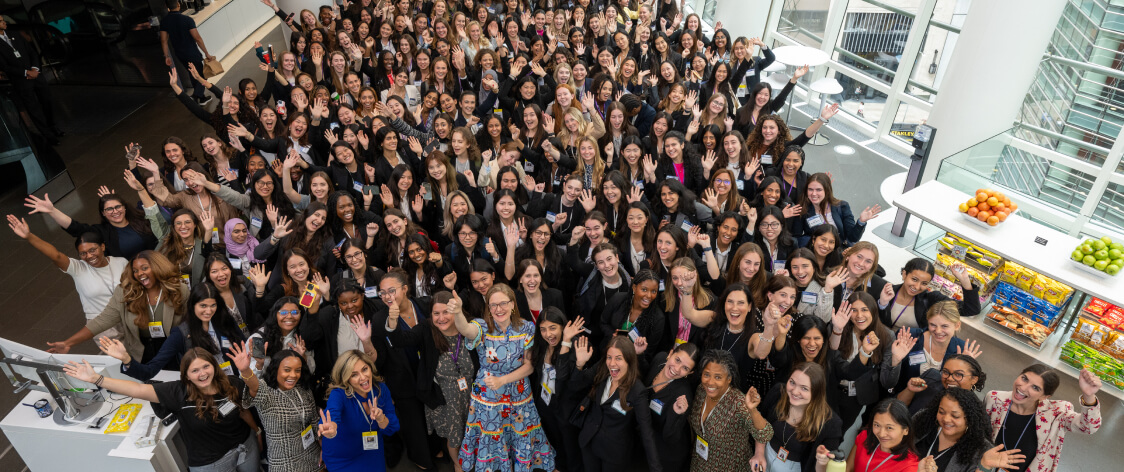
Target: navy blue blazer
[(850, 229)]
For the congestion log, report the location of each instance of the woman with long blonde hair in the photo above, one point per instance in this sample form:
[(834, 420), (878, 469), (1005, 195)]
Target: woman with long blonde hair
[(590, 165), (358, 416)]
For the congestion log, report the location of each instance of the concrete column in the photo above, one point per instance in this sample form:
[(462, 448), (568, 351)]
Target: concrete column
[(995, 62), (744, 17)]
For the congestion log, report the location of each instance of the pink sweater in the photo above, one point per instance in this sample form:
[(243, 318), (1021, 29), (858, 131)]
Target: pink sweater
[(1053, 419)]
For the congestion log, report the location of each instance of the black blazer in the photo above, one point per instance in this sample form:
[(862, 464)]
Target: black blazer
[(605, 431), (835, 368), (650, 324), (108, 234), (874, 288), (400, 374), (14, 67), (319, 333), (831, 433), (970, 306), (421, 335), (550, 297), (671, 432)]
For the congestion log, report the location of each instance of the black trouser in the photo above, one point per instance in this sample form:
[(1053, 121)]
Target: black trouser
[(594, 463), (34, 97), (198, 90), (411, 434)]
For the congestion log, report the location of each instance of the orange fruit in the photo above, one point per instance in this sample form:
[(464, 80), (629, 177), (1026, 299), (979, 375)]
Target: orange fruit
[(983, 215), (999, 206), (983, 206), (1002, 215), (973, 202), (992, 201), (973, 211), (982, 196), (992, 220), (990, 192), (1006, 201), (963, 207), (1013, 207), (999, 195)]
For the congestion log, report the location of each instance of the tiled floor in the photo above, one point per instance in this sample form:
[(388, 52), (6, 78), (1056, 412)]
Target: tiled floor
[(40, 304)]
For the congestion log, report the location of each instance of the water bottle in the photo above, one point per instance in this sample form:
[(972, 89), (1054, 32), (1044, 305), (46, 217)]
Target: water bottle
[(839, 463)]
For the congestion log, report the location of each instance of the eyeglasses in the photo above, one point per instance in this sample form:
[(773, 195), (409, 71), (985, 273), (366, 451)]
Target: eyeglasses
[(773, 225), (542, 234), (957, 376), (722, 181), (499, 306), (264, 183), (354, 257), (288, 314), (91, 252), (390, 292), (465, 234), (113, 209)]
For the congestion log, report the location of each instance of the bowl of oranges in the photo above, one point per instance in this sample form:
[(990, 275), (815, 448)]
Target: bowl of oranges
[(988, 208)]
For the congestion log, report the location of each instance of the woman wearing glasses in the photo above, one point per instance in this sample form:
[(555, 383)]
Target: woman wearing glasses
[(503, 425)]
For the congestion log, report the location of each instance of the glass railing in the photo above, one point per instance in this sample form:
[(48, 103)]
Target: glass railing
[(1047, 191)]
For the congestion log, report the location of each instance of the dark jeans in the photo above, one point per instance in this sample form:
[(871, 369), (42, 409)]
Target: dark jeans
[(198, 89)]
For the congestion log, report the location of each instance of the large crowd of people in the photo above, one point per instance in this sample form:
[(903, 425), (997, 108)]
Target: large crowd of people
[(519, 235)]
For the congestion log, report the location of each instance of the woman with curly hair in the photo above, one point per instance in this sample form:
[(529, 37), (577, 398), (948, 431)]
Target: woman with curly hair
[(952, 433), (284, 400), (207, 403), (959, 371), (723, 418), (148, 304)]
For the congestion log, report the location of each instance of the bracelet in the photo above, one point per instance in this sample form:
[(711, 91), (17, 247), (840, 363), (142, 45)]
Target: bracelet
[(101, 378), (567, 344), (864, 353), (768, 340), (1095, 402), (252, 375), (707, 248), (837, 333)]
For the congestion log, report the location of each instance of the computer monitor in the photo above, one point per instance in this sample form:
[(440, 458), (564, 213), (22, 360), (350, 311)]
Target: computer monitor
[(32, 369)]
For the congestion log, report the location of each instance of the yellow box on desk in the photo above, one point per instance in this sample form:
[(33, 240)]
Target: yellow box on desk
[(124, 418)]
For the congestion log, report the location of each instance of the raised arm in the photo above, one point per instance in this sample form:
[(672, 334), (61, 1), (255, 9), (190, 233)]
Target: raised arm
[(44, 205), (19, 226), (467, 329), (85, 373)]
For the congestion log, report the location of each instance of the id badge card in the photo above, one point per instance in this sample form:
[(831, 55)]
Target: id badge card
[(226, 368), (686, 225), (156, 329), (551, 216), (702, 448), (255, 222), (358, 186), (226, 408), (766, 160), (617, 406), (778, 265), (661, 285), (633, 334), (656, 406), (186, 280), (370, 440), (740, 183), (814, 221), (462, 384), (917, 358), (307, 437), (809, 297), (16, 52), (528, 166), (782, 454), (371, 292), (236, 263)]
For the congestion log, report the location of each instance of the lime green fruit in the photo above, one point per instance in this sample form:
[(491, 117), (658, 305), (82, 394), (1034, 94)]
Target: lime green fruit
[(1100, 265), (1087, 249), (1077, 256), (1089, 261), (1112, 269)]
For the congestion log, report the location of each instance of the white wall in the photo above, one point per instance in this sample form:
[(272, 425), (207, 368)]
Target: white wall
[(743, 17), (995, 61)]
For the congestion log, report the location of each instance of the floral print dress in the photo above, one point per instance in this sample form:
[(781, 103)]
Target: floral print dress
[(503, 430)]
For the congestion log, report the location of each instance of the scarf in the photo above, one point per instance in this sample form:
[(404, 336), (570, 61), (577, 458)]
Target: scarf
[(244, 250)]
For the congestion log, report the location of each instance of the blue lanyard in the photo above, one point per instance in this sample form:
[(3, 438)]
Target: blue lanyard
[(1027, 426), (900, 313)]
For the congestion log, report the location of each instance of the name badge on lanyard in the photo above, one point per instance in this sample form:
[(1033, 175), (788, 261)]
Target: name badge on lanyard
[(528, 166), (702, 448), (156, 329), (307, 437), (462, 384), (255, 222), (371, 292), (617, 406), (236, 263), (656, 406), (551, 216), (370, 440), (917, 358), (809, 297), (633, 334), (226, 368), (186, 280), (358, 186), (226, 408), (814, 221), (766, 160)]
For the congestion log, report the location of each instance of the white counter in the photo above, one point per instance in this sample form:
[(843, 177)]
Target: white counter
[(936, 203), (225, 23)]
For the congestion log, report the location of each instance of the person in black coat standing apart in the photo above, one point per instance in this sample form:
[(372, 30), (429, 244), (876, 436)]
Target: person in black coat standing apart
[(20, 62), (178, 35)]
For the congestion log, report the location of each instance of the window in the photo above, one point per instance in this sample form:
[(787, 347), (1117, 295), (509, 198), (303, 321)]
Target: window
[(804, 21), (906, 120), (872, 40), (859, 98)]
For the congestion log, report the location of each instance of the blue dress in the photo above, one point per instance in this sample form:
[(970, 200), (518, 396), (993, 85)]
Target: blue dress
[(345, 451), (503, 430)]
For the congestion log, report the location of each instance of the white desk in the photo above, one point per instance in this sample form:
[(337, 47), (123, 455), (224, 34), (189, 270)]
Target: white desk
[(47, 446), (936, 203)]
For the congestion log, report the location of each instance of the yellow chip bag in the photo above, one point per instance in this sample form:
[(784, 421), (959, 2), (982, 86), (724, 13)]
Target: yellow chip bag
[(123, 420), (1010, 273), (1038, 287), (1026, 279)]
